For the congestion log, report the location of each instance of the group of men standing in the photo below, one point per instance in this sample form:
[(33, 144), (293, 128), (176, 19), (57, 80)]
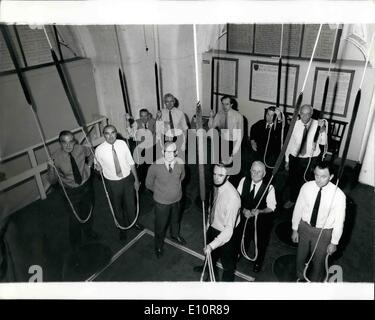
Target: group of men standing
[(319, 205)]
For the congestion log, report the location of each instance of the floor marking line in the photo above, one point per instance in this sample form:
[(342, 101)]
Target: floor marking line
[(118, 254), (200, 256)]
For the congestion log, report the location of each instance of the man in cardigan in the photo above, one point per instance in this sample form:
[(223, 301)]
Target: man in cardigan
[(251, 191), (164, 179)]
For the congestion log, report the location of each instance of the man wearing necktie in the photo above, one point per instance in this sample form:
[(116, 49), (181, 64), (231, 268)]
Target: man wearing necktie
[(73, 162), (114, 159), (229, 122), (320, 205), (171, 124), (251, 190), (265, 137), (300, 149), (164, 179), (143, 131), (223, 224)]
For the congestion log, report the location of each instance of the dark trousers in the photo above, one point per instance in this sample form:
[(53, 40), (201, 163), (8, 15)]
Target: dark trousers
[(297, 167), (82, 199), (122, 195), (264, 227), (307, 239), (226, 253), (163, 214)]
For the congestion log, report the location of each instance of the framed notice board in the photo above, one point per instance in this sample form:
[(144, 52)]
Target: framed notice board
[(297, 40), (339, 90), (224, 78), (263, 83)]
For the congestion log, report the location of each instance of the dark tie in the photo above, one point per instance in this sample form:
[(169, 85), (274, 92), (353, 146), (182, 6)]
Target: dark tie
[(171, 120), (252, 192), (146, 126), (117, 162), (315, 211), (170, 168), (76, 173), (226, 120), (303, 142)]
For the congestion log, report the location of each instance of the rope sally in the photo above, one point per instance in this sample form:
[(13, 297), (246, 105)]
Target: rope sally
[(281, 156), (343, 159), (31, 102), (202, 187), (76, 111)]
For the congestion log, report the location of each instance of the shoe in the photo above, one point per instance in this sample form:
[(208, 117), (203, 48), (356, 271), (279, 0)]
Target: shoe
[(179, 240), (123, 236), (158, 252), (198, 269), (288, 204), (139, 227), (257, 267)]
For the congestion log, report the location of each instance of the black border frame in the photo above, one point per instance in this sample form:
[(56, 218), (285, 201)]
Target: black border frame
[(348, 94), (289, 65), (214, 77)]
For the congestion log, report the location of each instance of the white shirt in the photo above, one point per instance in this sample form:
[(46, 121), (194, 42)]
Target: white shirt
[(235, 121), (296, 139), (179, 123), (331, 214), (234, 132), (228, 203), (270, 199), (104, 155)]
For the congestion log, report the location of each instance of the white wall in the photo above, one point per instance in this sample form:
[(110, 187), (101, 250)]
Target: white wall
[(18, 128), (175, 57), (254, 111)]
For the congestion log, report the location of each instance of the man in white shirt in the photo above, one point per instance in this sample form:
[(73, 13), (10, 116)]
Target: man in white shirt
[(300, 149), (251, 191), (143, 131), (320, 205), (114, 159), (171, 123), (230, 124), (224, 218)]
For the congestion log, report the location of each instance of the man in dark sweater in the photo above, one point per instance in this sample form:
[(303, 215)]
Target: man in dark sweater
[(265, 137), (164, 179)]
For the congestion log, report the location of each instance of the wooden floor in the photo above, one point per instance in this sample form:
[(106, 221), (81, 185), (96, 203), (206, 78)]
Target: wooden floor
[(38, 235)]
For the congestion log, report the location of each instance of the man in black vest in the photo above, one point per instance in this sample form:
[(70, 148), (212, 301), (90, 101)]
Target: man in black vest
[(253, 206)]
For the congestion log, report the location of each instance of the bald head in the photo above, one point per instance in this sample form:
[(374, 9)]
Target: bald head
[(305, 113)]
